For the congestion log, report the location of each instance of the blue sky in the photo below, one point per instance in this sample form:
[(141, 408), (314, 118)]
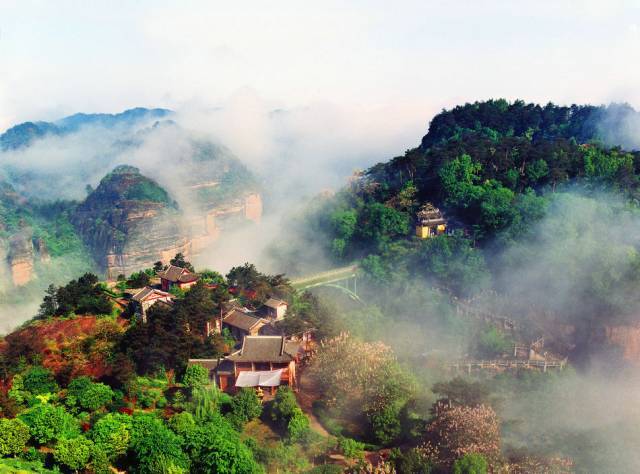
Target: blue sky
[(410, 58)]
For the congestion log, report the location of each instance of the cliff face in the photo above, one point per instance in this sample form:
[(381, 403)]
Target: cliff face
[(129, 222), (627, 338), (207, 227), (21, 259), (21, 255)]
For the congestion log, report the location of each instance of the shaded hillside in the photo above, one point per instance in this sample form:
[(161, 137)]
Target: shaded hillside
[(32, 234)]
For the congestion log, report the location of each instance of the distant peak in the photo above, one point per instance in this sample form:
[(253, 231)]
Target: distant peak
[(125, 169)]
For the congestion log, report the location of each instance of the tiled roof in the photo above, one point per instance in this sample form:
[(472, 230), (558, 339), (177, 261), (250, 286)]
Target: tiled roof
[(274, 303), (263, 349), (146, 292), (242, 320), (221, 366), (178, 274)]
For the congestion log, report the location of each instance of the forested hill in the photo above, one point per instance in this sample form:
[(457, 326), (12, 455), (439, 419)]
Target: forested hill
[(518, 184), (478, 158), (494, 118)]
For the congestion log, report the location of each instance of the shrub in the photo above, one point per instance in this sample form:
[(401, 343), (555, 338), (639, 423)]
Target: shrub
[(351, 448), (73, 453), (216, 447), (90, 395), (39, 381), (33, 454), (195, 376), (492, 343), (156, 448), (78, 386), (14, 435), (298, 426), (138, 280), (112, 433), (385, 424), (284, 405), (47, 423), (206, 402), (287, 413), (414, 461), (245, 405), (471, 463), (99, 460), (96, 396), (182, 423)]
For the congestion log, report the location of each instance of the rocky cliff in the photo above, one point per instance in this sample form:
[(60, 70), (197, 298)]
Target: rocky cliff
[(129, 222), (21, 259), (627, 339)]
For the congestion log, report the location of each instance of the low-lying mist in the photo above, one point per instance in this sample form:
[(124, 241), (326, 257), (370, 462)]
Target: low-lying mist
[(570, 278), (293, 153)]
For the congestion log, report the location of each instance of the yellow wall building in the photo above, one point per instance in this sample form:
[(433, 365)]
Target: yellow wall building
[(430, 222)]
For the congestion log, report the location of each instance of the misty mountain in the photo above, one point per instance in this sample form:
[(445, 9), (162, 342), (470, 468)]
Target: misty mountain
[(129, 221), (117, 192), (612, 124), (24, 134)]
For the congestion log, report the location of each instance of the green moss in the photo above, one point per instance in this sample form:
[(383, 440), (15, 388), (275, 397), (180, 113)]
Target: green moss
[(147, 190)]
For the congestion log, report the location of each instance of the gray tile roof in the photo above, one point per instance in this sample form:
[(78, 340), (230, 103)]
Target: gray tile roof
[(221, 366), (146, 292), (242, 320), (177, 274), (263, 349)]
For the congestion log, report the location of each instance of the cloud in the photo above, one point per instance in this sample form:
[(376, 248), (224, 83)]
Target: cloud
[(430, 54)]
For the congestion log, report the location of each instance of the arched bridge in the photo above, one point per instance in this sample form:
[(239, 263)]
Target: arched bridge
[(344, 279)]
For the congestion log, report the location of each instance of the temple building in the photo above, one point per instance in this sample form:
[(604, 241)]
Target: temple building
[(241, 322), (177, 277), (147, 297), (430, 222), (275, 309), (263, 362)]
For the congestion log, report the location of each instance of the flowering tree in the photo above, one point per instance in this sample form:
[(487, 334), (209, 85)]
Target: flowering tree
[(461, 430), (357, 370), (365, 375)]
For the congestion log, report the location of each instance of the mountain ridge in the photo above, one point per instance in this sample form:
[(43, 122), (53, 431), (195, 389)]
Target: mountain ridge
[(23, 134)]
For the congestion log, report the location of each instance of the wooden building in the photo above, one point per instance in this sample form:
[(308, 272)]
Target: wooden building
[(177, 277), (241, 323), (275, 309), (264, 362), (147, 297), (430, 222)]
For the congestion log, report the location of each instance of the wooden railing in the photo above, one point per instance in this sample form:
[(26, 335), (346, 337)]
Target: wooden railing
[(543, 365)]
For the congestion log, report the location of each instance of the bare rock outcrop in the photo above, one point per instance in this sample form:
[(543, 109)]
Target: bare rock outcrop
[(21, 258)]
